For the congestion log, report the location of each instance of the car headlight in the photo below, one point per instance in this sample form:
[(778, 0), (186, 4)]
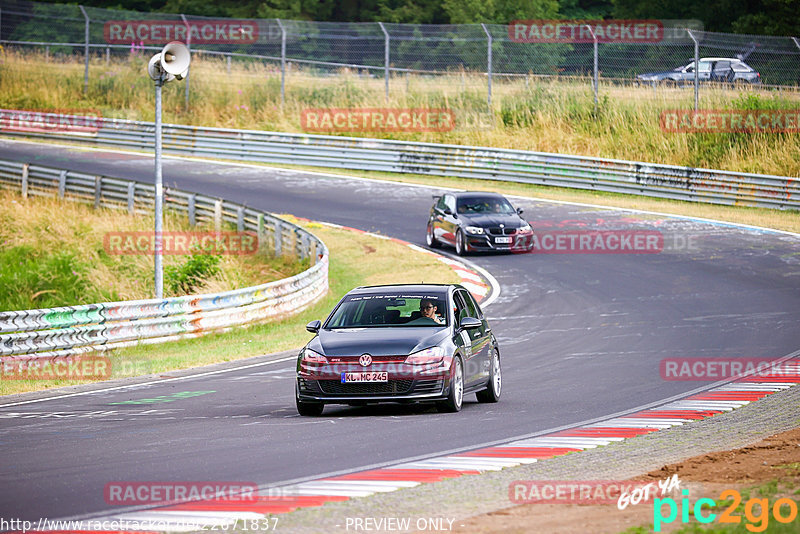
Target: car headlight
[(310, 356), (426, 356), (525, 228), (474, 229)]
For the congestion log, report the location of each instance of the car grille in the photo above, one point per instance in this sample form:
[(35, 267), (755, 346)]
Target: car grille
[(375, 359), (502, 231), (335, 387)]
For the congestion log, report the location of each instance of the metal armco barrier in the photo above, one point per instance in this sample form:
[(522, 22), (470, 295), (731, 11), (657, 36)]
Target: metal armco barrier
[(539, 168), (55, 332)]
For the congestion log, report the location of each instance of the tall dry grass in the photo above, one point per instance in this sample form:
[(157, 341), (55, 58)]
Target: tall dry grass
[(534, 114), (52, 253)]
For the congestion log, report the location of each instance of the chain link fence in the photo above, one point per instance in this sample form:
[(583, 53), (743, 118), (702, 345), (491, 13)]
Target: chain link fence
[(475, 54)]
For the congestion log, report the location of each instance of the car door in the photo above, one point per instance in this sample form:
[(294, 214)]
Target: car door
[(476, 364), (704, 73), (446, 224), (722, 72)]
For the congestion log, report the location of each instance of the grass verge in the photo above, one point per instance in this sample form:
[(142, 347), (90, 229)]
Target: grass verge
[(47, 262), (528, 114)]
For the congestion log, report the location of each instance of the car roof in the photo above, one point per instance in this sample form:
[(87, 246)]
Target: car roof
[(475, 194), (394, 288), (718, 59)]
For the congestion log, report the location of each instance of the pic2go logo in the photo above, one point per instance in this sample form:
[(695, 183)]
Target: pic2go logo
[(756, 511)]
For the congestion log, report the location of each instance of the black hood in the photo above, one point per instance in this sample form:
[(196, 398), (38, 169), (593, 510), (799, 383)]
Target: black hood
[(377, 341), (486, 220)]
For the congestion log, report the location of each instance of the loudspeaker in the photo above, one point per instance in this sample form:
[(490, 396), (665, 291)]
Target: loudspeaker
[(173, 60)]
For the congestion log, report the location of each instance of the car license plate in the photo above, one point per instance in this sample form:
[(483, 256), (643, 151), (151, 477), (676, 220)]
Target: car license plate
[(502, 240), (365, 377)]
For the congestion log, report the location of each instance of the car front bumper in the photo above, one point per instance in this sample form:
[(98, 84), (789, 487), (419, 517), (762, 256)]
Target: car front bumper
[(395, 390), (519, 242)]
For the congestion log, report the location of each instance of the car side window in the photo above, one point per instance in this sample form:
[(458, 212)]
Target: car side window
[(705, 66), (739, 67), (450, 202), (722, 65), (473, 305), (464, 306)]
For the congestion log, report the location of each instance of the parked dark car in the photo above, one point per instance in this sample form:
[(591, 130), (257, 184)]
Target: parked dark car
[(399, 343), (712, 69), (477, 221)]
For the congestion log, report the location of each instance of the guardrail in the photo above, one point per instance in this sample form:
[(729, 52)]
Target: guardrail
[(539, 168), (56, 332)]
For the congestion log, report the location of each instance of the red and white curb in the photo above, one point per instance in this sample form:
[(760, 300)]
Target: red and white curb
[(286, 499), (471, 279)]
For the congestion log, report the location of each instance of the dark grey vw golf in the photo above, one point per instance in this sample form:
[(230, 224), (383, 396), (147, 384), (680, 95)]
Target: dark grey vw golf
[(399, 343)]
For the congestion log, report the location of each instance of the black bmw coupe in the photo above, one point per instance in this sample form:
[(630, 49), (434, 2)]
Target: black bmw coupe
[(478, 221), (399, 343)]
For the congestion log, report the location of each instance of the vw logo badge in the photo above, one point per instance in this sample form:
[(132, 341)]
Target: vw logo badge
[(365, 360)]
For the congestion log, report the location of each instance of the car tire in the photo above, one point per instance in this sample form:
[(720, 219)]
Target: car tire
[(492, 391), (430, 238), (311, 409), (461, 243), (456, 396)]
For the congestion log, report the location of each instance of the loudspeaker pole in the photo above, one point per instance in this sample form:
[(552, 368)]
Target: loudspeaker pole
[(172, 62), (159, 200)]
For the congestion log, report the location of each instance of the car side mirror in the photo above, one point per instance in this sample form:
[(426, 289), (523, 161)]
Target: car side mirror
[(448, 211), (520, 211), (314, 326), (468, 323)]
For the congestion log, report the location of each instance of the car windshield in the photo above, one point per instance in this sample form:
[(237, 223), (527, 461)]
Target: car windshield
[(484, 205), (366, 311)]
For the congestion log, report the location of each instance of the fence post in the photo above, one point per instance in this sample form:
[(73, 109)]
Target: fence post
[(488, 61), (240, 219), (385, 60), (85, 52), (192, 210), (696, 70), (303, 246), (218, 216), (131, 198), (278, 238), (260, 231), (62, 183), (228, 63), (25, 180), (283, 61), (594, 72), (98, 190), (189, 46)]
